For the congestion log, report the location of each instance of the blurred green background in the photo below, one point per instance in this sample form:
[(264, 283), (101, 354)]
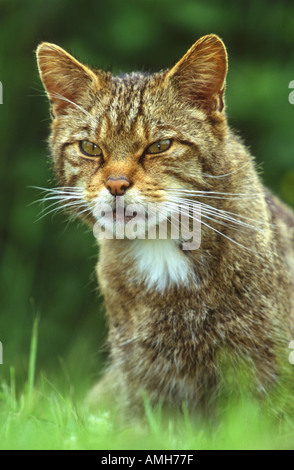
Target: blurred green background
[(47, 266)]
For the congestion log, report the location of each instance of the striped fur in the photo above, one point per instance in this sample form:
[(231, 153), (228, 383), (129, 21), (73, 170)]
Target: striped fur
[(171, 313)]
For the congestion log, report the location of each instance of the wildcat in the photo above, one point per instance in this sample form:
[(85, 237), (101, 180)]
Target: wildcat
[(163, 138)]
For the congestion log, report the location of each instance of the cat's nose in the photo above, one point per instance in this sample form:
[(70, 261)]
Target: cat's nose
[(117, 186)]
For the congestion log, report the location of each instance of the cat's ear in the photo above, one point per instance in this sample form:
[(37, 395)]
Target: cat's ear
[(200, 75), (65, 79)]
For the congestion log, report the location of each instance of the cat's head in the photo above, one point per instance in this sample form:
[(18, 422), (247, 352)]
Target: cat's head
[(140, 136)]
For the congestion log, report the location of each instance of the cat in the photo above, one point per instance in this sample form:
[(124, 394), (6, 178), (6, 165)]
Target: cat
[(164, 139)]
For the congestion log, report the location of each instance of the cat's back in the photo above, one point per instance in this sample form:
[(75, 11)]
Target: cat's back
[(282, 218), (280, 212)]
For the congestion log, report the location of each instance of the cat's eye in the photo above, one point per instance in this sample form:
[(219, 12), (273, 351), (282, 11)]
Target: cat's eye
[(159, 146), (90, 149)]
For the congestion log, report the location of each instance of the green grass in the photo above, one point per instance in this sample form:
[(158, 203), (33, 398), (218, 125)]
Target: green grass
[(41, 417), (49, 420)]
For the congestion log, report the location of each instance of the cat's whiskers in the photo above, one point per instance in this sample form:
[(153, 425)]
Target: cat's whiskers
[(221, 214), (59, 202), (228, 221), (55, 198), (64, 198), (213, 194), (59, 189), (72, 205), (221, 217), (228, 213), (182, 199), (187, 211), (80, 213)]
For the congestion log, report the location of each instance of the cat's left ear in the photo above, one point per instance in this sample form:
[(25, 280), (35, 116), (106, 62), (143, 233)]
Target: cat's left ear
[(66, 80), (199, 76)]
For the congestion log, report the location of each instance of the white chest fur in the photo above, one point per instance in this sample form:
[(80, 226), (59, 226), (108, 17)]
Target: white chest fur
[(161, 263)]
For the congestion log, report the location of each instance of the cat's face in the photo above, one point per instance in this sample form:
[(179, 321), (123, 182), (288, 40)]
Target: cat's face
[(136, 138)]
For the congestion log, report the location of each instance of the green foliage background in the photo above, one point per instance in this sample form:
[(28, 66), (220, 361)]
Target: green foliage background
[(47, 265)]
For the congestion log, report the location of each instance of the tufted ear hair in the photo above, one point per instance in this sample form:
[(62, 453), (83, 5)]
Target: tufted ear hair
[(200, 75), (65, 79)]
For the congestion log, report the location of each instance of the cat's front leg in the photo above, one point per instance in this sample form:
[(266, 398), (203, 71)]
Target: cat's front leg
[(112, 393), (105, 393)]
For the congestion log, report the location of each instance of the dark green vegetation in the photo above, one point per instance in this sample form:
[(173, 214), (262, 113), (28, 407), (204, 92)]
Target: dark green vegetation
[(47, 265)]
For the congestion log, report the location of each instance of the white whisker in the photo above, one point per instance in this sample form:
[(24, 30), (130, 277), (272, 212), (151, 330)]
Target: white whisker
[(188, 213), (221, 211), (63, 98), (223, 216), (56, 198), (62, 198), (75, 204), (213, 194), (61, 190)]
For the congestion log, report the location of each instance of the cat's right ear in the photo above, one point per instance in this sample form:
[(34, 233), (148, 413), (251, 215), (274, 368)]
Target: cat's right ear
[(199, 76), (66, 81)]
